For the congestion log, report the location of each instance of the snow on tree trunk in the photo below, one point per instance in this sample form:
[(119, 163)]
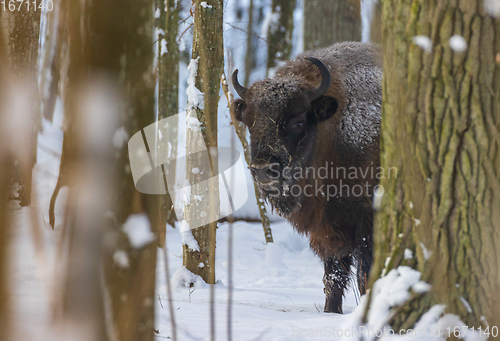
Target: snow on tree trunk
[(104, 45), (327, 22), (440, 130), (203, 96), (54, 66), (130, 58)]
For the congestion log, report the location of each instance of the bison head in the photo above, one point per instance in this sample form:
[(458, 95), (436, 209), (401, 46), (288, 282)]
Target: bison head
[(282, 114)]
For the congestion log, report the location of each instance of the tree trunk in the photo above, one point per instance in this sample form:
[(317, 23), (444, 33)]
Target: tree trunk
[(208, 60), (279, 32), (250, 52), (106, 47), (23, 43), (15, 155), (168, 94), (254, 40), (376, 23), (440, 129), (327, 22), (6, 168), (124, 49), (6, 217)]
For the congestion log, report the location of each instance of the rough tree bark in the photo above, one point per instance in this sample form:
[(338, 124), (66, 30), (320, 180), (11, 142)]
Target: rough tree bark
[(124, 49), (279, 33), (441, 129), (168, 92), (104, 45), (327, 22), (208, 50)]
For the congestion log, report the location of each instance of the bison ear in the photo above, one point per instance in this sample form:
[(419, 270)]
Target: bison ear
[(324, 107), (239, 106)]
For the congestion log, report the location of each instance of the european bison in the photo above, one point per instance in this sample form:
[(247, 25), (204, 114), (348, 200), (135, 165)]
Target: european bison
[(314, 136)]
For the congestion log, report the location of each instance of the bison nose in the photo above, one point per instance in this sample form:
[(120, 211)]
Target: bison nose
[(265, 173)]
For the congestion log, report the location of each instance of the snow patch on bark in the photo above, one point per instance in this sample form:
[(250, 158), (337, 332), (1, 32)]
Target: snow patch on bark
[(120, 137), (193, 124), (390, 291), (183, 278), (427, 253), (423, 42), (187, 236), (408, 254), (163, 47), (138, 230), (205, 5), (194, 95), (492, 7), (120, 257), (458, 43)]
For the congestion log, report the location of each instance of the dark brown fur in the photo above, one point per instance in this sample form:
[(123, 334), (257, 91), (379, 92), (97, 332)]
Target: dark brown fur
[(340, 130)]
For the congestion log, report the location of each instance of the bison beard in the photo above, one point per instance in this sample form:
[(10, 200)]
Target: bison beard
[(323, 109)]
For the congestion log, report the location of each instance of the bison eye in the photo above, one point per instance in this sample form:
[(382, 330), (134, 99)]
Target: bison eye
[(295, 126), (298, 127)]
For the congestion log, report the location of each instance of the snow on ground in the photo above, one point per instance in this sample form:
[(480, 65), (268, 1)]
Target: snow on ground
[(34, 262), (277, 293), (278, 289)]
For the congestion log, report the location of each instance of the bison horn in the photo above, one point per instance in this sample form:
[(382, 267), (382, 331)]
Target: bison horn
[(237, 86), (325, 80)]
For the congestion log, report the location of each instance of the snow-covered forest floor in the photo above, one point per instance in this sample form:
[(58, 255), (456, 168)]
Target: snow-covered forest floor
[(277, 288), (278, 291)]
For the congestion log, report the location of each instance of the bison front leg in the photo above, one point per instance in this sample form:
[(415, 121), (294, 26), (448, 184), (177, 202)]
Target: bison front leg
[(364, 264), (336, 278)]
